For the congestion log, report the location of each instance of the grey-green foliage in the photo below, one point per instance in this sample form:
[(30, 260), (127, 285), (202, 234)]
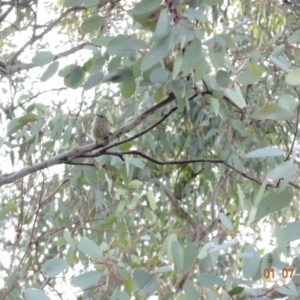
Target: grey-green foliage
[(112, 229)]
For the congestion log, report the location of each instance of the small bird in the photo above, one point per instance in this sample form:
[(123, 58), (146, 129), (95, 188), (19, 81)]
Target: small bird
[(100, 127)]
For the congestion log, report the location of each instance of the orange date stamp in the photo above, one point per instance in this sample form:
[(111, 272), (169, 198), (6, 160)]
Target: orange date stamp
[(285, 273)]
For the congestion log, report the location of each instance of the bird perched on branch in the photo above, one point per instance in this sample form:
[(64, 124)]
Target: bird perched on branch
[(101, 127)]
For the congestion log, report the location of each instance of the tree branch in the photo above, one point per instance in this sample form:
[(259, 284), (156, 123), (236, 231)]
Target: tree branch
[(190, 161), (7, 69), (49, 28), (77, 152), (175, 203)]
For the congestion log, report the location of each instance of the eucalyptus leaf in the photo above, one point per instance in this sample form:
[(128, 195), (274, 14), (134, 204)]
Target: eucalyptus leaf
[(43, 58), (273, 112), (86, 279)]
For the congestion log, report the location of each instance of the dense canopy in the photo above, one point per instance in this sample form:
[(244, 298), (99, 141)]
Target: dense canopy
[(194, 193)]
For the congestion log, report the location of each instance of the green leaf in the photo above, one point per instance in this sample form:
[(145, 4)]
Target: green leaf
[(40, 107), (272, 203), (177, 65), (148, 214), (260, 193), (156, 53), (7, 208), (72, 3), (151, 199), (287, 168), (215, 104), (53, 267), (168, 296), (191, 252), (190, 292), (67, 135), (89, 248), (51, 70), (86, 279), (222, 78), (209, 280), (129, 86), (236, 290), (163, 26), (66, 70), (120, 296), (279, 50), (90, 174), (196, 14), (159, 75), (35, 294), (288, 102), (177, 255), (250, 262), (236, 97), (280, 64), (191, 56), (273, 112), (28, 118), (265, 152), (135, 259), (11, 279), (108, 222), (42, 58), (281, 240), (93, 81), (137, 162), (255, 56), (247, 78), (134, 184), (254, 69), (275, 37), (159, 94), (216, 50), (92, 24), (97, 65), (87, 65), (295, 37), (145, 281), (292, 231), (146, 6), (75, 78), (122, 247), (201, 68), (91, 4), (69, 239), (163, 269), (229, 40), (117, 46), (293, 78), (225, 221), (114, 64), (241, 197)]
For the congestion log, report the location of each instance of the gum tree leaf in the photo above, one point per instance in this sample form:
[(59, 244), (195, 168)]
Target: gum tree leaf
[(92, 24), (86, 280), (156, 53), (75, 78), (273, 112), (93, 80), (265, 152), (54, 266), (51, 70), (163, 26), (42, 58), (35, 294), (293, 78)]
